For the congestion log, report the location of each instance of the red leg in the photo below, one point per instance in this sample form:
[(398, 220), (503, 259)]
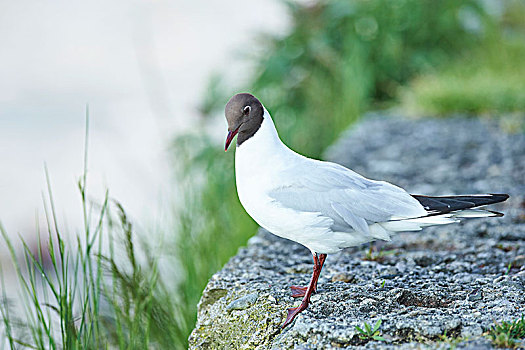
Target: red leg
[(294, 311), (298, 291)]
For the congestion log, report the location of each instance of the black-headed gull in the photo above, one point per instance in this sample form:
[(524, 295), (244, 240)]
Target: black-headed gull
[(321, 205)]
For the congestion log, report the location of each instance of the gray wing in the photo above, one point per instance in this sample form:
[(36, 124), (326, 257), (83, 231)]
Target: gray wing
[(352, 201)]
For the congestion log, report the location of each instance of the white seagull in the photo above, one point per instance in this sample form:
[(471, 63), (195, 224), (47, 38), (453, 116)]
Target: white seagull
[(321, 205)]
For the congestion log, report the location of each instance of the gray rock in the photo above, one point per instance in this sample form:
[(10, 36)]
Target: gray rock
[(475, 295), (452, 280), (243, 302)]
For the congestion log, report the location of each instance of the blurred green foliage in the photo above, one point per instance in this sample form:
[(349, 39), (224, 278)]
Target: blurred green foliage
[(489, 80), (342, 56), (211, 222), (338, 59)]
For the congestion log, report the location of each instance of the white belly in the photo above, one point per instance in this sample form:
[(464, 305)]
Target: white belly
[(310, 229)]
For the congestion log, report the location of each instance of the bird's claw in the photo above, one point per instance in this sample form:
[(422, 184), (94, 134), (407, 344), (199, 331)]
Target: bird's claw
[(292, 312)]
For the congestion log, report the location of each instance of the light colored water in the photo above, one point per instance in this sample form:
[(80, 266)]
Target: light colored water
[(141, 65)]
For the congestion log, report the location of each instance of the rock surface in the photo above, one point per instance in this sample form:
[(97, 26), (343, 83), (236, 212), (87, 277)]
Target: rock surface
[(436, 288)]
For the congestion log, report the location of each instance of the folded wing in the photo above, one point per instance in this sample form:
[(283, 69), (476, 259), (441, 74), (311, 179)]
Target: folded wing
[(352, 201)]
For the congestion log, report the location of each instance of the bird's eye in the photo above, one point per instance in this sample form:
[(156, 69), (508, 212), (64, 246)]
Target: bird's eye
[(246, 110)]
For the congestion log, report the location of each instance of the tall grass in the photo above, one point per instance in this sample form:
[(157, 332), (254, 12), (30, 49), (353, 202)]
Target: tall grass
[(99, 290), (60, 284)]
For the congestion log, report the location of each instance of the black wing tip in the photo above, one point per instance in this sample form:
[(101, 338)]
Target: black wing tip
[(500, 197), (446, 204)]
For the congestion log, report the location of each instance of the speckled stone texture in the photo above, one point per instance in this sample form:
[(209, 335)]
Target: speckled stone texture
[(454, 280)]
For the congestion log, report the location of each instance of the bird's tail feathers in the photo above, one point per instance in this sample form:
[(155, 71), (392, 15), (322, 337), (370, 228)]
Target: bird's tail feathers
[(416, 224), (446, 210), (476, 213)]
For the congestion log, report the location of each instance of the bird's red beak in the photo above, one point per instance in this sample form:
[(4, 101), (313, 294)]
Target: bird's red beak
[(229, 138)]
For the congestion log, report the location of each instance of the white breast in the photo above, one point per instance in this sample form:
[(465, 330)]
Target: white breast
[(260, 163)]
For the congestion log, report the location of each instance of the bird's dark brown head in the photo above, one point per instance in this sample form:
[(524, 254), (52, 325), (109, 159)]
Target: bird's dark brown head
[(244, 114)]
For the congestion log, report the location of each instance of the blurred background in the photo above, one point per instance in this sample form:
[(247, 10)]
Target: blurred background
[(155, 76), (141, 66)]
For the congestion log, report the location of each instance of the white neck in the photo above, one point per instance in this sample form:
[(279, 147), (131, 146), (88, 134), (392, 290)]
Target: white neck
[(266, 139), (259, 156)]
